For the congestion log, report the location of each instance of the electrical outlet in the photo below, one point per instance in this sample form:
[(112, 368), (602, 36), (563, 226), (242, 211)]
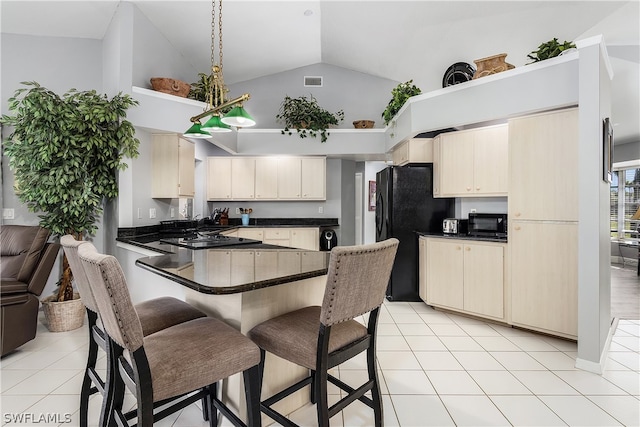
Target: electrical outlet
[(173, 212), (238, 211), (139, 213), (472, 211), (320, 209), (8, 213), (152, 212)]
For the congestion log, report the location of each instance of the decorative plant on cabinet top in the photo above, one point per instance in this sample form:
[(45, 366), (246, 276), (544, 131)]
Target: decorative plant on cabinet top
[(65, 153), (550, 49), (307, 117), (399, 96)]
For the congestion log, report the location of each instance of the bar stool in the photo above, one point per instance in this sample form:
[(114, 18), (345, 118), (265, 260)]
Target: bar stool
[(320, 338), (155, 315), (174, 367)]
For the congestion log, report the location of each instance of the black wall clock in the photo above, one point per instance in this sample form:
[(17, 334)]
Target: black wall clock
[(459, 72)]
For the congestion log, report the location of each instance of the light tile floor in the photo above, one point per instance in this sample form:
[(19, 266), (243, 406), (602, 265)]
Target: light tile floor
[(436, 369)]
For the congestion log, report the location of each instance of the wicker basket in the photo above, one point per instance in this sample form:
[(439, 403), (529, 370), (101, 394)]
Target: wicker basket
[(63, 316), (363, 124), (170, 86)]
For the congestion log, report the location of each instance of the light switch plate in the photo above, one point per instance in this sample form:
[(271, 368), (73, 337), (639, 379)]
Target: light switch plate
[(152, 212), (8, 213)]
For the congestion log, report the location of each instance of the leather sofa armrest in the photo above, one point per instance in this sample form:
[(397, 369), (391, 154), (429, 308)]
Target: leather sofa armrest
[(42, 271), (14, 299), (11, 287)]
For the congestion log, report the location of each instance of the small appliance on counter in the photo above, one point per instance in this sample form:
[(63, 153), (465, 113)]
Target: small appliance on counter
[(488, 225), (455, 226), (328, 239)]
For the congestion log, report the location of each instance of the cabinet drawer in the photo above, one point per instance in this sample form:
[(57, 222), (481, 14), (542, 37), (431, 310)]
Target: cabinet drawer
[(276, 234), (251, 233)]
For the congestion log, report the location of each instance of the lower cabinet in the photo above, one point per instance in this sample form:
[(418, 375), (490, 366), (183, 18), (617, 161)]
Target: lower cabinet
[(296, 237), (464, 276), (544, 276)]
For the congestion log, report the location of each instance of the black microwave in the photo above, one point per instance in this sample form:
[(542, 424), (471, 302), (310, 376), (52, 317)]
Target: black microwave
[(488, 225)]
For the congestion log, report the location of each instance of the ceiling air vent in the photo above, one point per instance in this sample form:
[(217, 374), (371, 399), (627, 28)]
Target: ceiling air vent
[(312, 81)]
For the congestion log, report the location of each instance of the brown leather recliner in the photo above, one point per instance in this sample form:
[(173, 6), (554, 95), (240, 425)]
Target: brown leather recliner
[(26, 262)]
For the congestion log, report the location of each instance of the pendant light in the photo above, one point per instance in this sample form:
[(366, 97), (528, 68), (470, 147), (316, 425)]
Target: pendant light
[(217, 101)]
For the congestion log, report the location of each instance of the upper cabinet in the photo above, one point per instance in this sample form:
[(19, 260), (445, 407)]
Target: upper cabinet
[(544, 166), (416, 150), (173, 168), (471, 163), (266, 178)]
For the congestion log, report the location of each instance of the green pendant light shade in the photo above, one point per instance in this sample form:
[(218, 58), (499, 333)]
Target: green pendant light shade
[(238, 117), (195, 131), (214, 124)]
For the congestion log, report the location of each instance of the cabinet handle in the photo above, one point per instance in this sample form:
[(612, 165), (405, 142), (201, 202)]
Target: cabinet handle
[(477, 188), (468, 188), (517, 227), (517, 214), (458, 248), (467, 248)]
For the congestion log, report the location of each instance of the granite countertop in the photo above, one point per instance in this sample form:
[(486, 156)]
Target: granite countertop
[(461, 237), (228, 269)]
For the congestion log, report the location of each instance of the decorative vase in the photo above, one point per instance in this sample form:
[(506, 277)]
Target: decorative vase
[(245, 219), (63, 316), (491, 65), (363, 124)]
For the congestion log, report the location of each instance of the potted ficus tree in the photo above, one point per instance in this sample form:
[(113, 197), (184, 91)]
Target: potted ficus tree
[(399, 96), (307, 117), (65, 152)]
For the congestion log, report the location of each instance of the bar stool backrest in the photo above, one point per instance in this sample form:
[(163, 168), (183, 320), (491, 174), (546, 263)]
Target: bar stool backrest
[(70, 246), (357, 280), (112, 298)]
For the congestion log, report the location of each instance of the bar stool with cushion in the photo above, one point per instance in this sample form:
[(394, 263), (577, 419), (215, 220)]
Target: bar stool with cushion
[(174, 367), (320, 338), (155, 315)]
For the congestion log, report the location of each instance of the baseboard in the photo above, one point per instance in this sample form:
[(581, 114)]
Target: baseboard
[(598, 367)]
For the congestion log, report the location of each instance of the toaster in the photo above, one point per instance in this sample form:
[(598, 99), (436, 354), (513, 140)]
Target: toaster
[(455, 226)]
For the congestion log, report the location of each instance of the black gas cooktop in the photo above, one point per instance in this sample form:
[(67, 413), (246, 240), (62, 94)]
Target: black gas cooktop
[(207, 241)]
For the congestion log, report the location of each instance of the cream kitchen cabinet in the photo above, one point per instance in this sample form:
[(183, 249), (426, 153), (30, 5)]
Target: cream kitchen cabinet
[(277, 236), (251, 233), (543, 222), (466, 276), (543, 178), (219, 178), (544, 276), (305, 238), (415, 150), (472, 163), (173, 167), (266, 178), (294, 237)]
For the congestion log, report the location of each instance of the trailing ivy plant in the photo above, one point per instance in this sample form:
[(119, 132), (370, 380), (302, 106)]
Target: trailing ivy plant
[(549, 49), (399, 96), (307, 117), (65, 152)]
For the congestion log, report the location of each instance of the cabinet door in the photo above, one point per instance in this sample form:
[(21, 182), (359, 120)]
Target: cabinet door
[(422, 268), (484, 279), (445, 273), (456, 164), (544, 281), (218, 178), (219, 267), (543, 173), (242, 267), (243, 174), (436, 166), (266, 178), (289, 169), (310, 261), (305, 238), (165, 170), (491, 160), (400, 154), (186, 168), (266, 265), (313, 178), (288, 263)]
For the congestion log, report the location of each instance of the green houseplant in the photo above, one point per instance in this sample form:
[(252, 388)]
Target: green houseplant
[(307, 117), (65, 152), (549, 49), (399, 96), (200, 89)]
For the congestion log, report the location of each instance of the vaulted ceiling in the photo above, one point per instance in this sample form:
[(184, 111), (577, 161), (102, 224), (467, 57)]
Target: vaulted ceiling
[(398, 40)]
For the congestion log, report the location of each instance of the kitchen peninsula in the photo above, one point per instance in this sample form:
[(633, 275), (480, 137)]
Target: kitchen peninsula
[(243, 284)]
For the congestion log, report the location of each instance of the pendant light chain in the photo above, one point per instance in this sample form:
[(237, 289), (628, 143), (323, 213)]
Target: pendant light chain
[(220, 34)]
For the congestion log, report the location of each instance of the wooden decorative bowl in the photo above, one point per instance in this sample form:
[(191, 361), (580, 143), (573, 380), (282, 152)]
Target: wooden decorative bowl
[(363, 124), (170, 86)]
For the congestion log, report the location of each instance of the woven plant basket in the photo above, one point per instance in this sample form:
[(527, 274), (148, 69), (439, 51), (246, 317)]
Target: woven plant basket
[(170, 86), (63, 316)]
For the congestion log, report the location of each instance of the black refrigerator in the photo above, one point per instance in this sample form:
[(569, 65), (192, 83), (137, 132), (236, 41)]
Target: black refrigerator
[(405, 205)]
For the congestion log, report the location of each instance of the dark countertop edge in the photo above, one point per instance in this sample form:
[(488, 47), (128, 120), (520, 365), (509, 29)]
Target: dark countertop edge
[(129, 241), (460, 237), (226, 290)]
